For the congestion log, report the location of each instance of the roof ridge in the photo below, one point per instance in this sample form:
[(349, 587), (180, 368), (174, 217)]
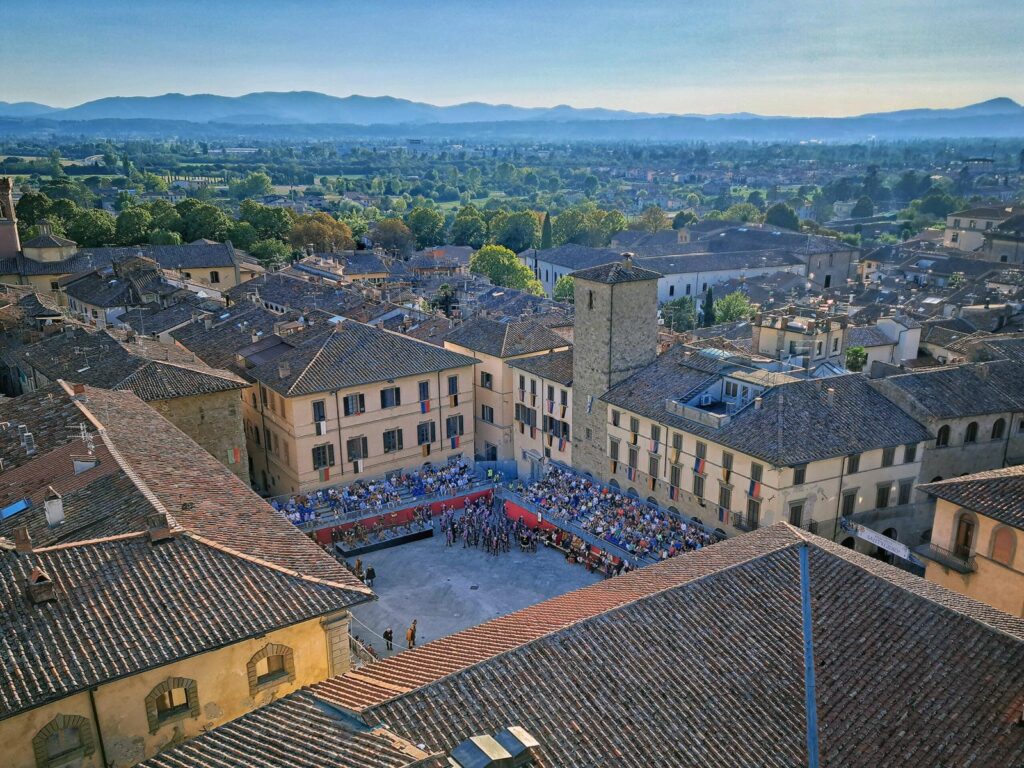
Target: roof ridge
[(272, 566), (217, 373), (313, 359), (626, 601), (90, 542)]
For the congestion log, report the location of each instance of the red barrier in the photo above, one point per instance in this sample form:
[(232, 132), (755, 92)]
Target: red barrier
[(400, 516), (514, 512)]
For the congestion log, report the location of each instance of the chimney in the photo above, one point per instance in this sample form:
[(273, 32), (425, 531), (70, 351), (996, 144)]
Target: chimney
[(44, 227), (627, 259), (40, 587), (22, 541), (208, 322), (78, 389), (159, 529), (758, 402), (983, 372), (53, 502), (831, 391), (254, 337), (284, 369)]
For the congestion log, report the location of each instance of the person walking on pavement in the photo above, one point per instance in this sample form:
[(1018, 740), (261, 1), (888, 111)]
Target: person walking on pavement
[(410, 635), (371, 574), (388, 637)]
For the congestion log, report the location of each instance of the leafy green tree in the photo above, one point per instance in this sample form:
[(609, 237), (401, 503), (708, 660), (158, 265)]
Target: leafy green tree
[(205, 221), (612, 222), (242, 234), (856, 358), (32, 207), (565, 288), (270, 252), (444, 299), (742, 212), (590, 185), (864, 206), (652, 219), (545, 232), (519, 231), (269, 222), (256, 184), (469, 228), (66, 188), (133, 225), (165, 216), (781, 215), (680, 314), (735, 306), (683, 219), (63, 210), (322, 231), (503, 268), (164, 237), (392, 235), (427, 226), (708, 309), (92, 228)]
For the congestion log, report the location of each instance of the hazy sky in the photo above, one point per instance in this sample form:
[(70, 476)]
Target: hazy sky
[(801, 57)]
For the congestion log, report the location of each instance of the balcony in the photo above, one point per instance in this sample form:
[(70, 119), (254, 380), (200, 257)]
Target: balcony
[(742, 522), (944, 557)]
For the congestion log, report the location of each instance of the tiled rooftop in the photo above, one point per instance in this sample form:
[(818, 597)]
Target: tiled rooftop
[(998, 493)]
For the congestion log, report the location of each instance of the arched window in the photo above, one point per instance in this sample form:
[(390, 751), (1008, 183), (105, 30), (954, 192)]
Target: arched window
[(971, 435), (271, 665), (999, 429), (176, 698), (632, 492), (652, 500), (63, 739), (1004, 544), (963, 541), (214, 276), (943, 436), (613, 483)]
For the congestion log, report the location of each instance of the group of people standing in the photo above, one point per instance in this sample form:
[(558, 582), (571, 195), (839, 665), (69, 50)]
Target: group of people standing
[(481, 524)]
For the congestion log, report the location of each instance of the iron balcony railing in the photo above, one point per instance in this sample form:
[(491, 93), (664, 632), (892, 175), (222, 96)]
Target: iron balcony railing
[(957, 561)]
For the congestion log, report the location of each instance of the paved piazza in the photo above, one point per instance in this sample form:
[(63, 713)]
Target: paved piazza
[(448, 589)]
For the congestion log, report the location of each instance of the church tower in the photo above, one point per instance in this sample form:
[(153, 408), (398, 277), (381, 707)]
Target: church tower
[(10, 243), (615, 335)]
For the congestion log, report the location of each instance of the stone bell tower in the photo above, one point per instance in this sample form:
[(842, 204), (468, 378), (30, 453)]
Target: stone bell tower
[(10, 243), (615, 335)]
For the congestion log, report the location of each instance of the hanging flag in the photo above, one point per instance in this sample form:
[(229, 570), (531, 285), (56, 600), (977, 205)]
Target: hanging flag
[(614, 467), (722, 513), (551, 439), (673, 492), (325, 474), (653, 483), (654, 445), (630, 473), (564, 407), (726, 474), (675, 456), (426, 450), (455, 441), (357, 465), (561, 445), (533, 432), (755, 489), (424, 406), (698, 465), (551, 406), (454, 400)]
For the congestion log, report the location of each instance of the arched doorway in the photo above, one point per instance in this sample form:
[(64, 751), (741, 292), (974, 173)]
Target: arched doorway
[(848, 542), (614, 483)]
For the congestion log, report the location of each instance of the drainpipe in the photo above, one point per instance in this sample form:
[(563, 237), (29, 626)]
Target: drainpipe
[(839, 498), (99, 732), (341, 445)]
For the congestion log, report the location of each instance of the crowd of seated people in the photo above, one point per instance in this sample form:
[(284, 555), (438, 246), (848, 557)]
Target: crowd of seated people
[(375, 495), (630, 524)]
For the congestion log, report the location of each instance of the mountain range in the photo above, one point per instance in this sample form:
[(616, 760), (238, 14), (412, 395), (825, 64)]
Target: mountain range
[(308, 113)]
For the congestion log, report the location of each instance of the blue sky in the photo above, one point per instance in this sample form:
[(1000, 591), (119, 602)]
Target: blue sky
[(801, 57)]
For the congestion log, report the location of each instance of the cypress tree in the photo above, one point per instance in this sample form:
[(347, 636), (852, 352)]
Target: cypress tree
[(709, 309), (545, 232)]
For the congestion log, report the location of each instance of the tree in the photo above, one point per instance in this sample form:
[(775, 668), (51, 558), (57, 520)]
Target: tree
[(503, 268), (165, 216), (781, 215), (427, 226), (735, 306), (242, 234), (683, 219), (133, 225), (756, 198), (864, 207), (652, 219), (393, 235), (742, 212), (519, 231), (270, 252), (590, 184), (32, 207), (322, 231), (680, 314), (545, 232), (92, 228), (708, 309), (269, 222), (856, 357), (205, 221), (164, 237), (565, 288), (256, 184), (469, 228), (444, 299)]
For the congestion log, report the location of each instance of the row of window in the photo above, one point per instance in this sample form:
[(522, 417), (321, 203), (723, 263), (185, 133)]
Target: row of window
[(71, 737), (357, 448), (971, 433), (390, 397), (1002, 544), (563, 394)]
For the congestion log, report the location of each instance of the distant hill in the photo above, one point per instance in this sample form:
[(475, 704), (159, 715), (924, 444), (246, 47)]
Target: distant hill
[(24, 109), (307, 114)]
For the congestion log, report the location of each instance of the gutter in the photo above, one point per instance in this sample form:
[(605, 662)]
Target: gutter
[(99, 731)]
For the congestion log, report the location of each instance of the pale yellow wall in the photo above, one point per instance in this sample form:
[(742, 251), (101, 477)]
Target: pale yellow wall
[(821, 492), (222, 686), (538, 443), (289, 467), (202, 275), (992, 582), (500, 397)]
